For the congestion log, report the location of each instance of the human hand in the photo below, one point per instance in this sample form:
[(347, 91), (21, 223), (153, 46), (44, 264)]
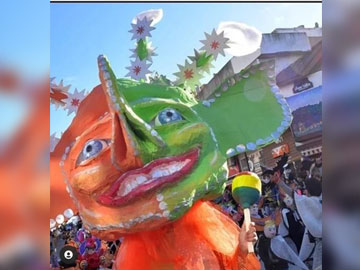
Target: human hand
[(247, 236), (83, 264)]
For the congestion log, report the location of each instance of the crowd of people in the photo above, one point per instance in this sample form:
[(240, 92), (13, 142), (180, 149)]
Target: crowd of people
[(287, 216), (287, 219), (91, 253)]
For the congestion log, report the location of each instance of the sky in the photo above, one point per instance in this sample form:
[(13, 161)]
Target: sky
[(80, 32)]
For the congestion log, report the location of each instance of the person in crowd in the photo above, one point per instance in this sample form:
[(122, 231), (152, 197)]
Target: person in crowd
[(71, 233), (53, 257), (92, 257), (306, 163), (268, 258), (270, 192), (291, 227), (309, 207), (274, 251), (108, 259), (316, 169), (292, 179), (255, 212)]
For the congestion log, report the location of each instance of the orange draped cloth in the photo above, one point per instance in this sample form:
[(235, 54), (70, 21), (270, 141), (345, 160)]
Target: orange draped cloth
[(203, 239)]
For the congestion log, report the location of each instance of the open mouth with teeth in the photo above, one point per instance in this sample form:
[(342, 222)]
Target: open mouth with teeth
[(153, 175)]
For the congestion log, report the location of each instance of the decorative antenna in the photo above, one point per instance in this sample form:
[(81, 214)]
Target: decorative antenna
[(215, 44), (141, 26), (234, 38)]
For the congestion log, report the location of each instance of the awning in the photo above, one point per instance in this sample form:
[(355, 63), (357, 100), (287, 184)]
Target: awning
[(308, 64)]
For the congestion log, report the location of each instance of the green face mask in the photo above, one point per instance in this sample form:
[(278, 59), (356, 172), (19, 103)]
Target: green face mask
[(246, 112)]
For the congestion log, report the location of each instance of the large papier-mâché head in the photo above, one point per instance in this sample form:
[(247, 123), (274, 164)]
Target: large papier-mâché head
[(139, 155)]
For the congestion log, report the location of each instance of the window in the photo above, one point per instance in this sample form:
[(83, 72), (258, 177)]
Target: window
[(244, 165)]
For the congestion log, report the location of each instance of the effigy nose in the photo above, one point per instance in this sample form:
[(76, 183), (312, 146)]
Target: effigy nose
[(130, 132)]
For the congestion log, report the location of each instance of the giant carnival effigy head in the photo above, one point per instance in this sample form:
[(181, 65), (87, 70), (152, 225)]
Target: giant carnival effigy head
[(138, 155)]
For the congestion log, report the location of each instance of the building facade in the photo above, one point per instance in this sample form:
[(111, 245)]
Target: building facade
[(297, 54)]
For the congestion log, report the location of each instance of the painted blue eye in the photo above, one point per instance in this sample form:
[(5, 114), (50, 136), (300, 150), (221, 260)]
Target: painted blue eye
[(168, 116), (92, 149)]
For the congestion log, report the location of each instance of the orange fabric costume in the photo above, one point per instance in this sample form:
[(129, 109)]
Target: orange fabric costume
[(194, 242)]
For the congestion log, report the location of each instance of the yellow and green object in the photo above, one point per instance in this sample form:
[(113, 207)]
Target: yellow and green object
[(246, 189)]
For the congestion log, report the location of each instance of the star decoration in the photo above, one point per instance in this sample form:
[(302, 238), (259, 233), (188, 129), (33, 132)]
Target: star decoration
[(74, 100), (138, 70), (189, 75), (53, 142), (215, 44), (203, 61), (141, 29), (150, 52), (58, 93)]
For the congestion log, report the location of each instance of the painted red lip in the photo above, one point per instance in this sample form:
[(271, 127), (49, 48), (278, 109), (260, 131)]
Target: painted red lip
[(153, 175)]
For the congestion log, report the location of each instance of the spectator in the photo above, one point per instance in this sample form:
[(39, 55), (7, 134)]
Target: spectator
[(274, 251), (291, 226), (309, 207), (316, 169)]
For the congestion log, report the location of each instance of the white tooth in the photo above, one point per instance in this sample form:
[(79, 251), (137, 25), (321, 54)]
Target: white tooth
[(178, 166), (133, 184), (156, 174), (172, 169), (166, 213), (127, 189), (140, 179)]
